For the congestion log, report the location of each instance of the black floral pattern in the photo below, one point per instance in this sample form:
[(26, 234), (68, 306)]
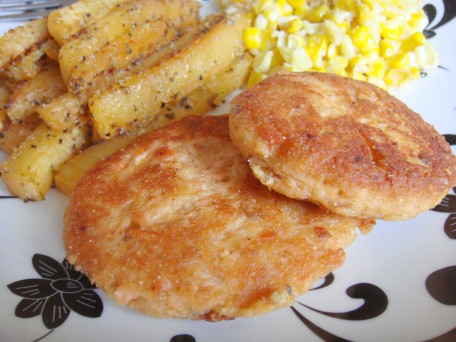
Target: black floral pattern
[(60, 290), (375, 303), (448, 203), (449, 13)]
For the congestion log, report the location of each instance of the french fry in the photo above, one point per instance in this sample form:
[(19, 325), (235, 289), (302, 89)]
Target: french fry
[(18, 41), (13, 134), (207, 97), (69, 174), (123, 19), (27, 96), (64, 112), (230, 79), (142, 95), (68, 21), (69, 110), (5, 93), (28, 65), (131, 48), (51, 49), (28, 171)]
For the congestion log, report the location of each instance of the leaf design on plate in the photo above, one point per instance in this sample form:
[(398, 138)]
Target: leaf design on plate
[(62, 290), (183, 338), (450, 226), (76, 275), (447, 205), (32, 288), (28, 308), (48, 267), (441, 285), (323, 334), (328, 280), (55, 312), (449, 8), (375, 303), (86, 303), (450, 138)]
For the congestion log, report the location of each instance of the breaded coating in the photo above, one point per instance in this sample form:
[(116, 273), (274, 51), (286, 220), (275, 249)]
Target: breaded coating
[(344, 144), (176, 225)]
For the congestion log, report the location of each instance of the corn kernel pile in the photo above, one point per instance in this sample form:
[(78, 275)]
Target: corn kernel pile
[(379, 41)]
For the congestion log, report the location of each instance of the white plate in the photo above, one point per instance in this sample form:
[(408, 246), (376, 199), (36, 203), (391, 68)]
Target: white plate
[(397, 284)]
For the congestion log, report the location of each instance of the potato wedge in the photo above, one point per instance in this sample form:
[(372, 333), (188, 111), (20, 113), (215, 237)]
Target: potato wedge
[(69, 174), (131, 48), (68, 110), (142, 95), (207, 97), (28, 171), (64, 112), (43, 88), (28, 65), (123, 19), (5, 93), (68, 21), (13, 134), (18, 41)]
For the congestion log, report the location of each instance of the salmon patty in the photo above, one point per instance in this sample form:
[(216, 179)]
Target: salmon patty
[(344, 144), (176, 225)]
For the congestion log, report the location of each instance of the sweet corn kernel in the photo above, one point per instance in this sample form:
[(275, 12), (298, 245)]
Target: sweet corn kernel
[(254, 78), (416, 21), (347, 5), (418, 38), (317, 46), (379, 41), (363, 39), (252, 38), (318, 14), (400, 60), (391, 31), (296, 3), (387, 48), (378, 68), (293, 26)]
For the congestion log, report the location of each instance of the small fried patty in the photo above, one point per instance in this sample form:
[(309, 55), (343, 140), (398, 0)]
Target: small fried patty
[(344, 144), (176, 225)]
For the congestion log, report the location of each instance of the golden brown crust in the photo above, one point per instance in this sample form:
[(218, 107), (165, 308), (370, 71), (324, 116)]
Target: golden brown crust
[(345, 144), (175, 225)]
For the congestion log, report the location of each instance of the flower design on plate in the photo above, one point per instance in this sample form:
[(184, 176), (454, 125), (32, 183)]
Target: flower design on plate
[(448, 203), (449, 13), (375, 303), (60, 290)]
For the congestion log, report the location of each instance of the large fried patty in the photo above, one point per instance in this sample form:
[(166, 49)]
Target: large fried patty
[(344, 144), (176, 225)]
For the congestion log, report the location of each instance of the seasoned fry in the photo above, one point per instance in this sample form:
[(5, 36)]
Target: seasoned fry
[(13, 134), (67, 176), (123, 19), (64, 112), (27, 66), (207, 97), (98, 69), (18, 41), (68, 21), (43, 88), (69, 110), (27, 172), (132, 47), (230, 79), (142, 95), (5, 93), (51, 49)]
